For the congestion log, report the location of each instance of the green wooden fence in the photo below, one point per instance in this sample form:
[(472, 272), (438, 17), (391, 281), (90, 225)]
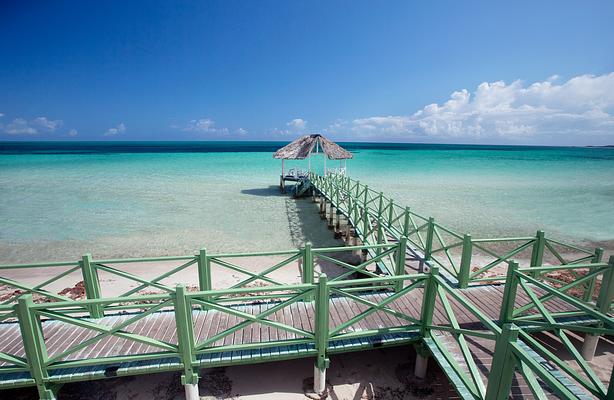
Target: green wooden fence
[(514, 348), (377, 218)]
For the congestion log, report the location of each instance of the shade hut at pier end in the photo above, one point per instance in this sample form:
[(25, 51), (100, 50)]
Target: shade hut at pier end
[(304, 148)]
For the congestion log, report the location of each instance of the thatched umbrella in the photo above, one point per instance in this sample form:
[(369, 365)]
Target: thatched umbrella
[(304, 146)]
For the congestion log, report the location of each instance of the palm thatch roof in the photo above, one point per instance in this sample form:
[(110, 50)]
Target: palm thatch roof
[(303, 146)]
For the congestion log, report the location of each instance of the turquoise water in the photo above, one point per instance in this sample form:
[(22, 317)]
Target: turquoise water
[(121, 199)]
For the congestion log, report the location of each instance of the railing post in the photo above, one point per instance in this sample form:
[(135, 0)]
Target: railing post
[(503, 364), (406, 220), (204, 271), (509, 293), (400, 265), (365, 226), (185, 342), (380, 236), (610, 393), (428, 302), (537, 255), (307, 263), (590, 289), (380, 206), (91, 285), (604, 301), (321, 335), (428, 247), (34, 345), (465, 264), (366, 196), (390, 212)]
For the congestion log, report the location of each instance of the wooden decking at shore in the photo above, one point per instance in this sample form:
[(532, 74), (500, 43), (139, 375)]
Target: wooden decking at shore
[(60, 336)]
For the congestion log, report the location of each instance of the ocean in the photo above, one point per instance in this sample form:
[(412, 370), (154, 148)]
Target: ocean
[(60, 200)]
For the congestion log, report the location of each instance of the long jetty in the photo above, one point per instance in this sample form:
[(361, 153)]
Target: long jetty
[(476, 306)]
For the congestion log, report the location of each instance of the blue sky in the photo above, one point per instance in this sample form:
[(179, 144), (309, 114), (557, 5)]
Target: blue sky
[(462, 72)]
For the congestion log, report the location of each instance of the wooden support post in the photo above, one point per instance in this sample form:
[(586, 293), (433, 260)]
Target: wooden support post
[(380, 205), (34, 345), (338, 223), (91, 284), (537, 255), (390, 212), (465, 265), (321, 333), (509, 293), (348, 233), (400, 265), (428, 246), (422, 359), (185, 342), (502, 371)]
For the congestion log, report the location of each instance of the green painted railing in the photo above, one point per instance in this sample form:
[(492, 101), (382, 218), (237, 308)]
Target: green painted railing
[(205, 266), (514, 346), (186, 348), (534, 316), (379, 219)]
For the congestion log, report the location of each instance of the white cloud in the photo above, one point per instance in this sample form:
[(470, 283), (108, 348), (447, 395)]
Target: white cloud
[(297, 124), (584, 105), (204, 125), (121, 128), (47, 124), (200, 125), (241, 131), (1, 115), (21, 126), (294, 127), (72, 133)]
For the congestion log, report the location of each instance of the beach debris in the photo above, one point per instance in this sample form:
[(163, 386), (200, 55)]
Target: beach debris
[(76, 292), (215, 384)]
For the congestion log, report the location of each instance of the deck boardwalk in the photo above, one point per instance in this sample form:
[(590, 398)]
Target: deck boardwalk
[(60, 336)]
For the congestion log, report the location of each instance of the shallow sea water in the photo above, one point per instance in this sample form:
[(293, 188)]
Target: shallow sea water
[(58, 200)]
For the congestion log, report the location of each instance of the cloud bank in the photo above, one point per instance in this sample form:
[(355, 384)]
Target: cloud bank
[(582, 106), (121, 128), (21, 126), (205, 125)]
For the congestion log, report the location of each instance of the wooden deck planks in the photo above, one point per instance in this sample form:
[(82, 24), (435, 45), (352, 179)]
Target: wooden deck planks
[(61, 336)]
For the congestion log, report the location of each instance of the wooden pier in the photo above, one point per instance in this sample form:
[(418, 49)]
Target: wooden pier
[(416, 283)]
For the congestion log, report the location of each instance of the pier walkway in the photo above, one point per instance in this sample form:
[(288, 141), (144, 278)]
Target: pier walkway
[(498, 328)]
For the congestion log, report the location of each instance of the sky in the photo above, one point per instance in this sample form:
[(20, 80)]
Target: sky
[(521, 72)]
